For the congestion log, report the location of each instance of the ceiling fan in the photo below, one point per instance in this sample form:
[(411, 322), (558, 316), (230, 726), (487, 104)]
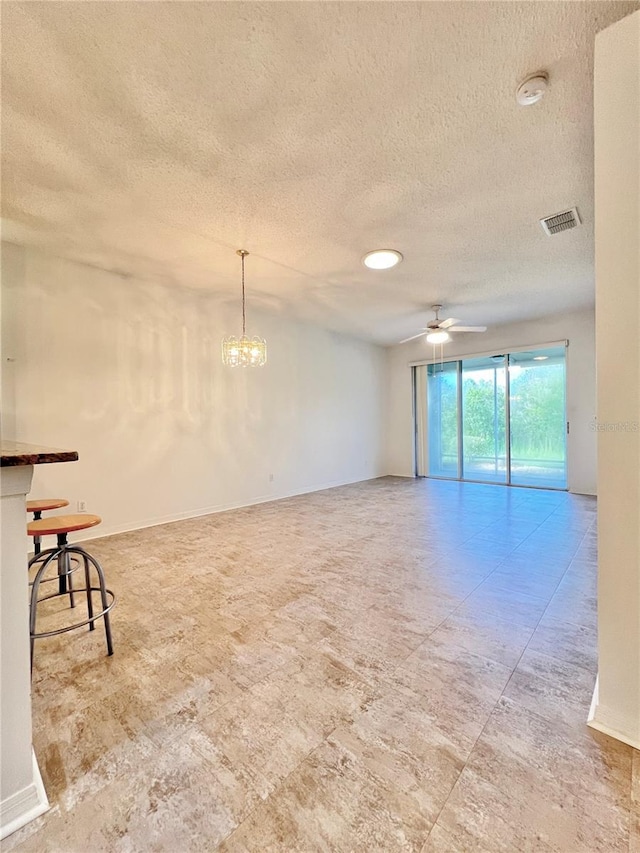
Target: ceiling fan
[(437, 330)]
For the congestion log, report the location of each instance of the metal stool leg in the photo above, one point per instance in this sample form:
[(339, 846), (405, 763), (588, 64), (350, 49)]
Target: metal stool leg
[(33, 610), (37, 515), (69, 574), (105, 602), (87, 576), (64, 569), (62, 582)]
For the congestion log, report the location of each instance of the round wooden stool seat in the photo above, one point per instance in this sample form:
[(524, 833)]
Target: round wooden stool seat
[(59, 524), (37, 508), (46, 504)]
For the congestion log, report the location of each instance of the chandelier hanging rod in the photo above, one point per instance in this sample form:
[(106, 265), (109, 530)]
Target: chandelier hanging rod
[(243, 254)]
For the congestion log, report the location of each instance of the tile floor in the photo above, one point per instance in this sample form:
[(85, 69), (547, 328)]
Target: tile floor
[(394, 665)]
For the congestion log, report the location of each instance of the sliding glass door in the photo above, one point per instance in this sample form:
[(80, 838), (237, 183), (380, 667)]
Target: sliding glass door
[(484, 430), (498, 419), (443, 419), (538, 422)]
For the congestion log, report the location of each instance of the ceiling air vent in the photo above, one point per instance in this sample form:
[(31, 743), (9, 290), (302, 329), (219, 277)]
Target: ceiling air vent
[(560, 222)]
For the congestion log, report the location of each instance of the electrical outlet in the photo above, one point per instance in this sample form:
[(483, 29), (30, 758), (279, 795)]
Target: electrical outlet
[(82, 506), (271, 478)]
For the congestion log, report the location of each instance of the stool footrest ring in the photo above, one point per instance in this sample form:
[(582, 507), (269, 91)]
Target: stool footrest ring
[(76, 624), (75, 563)]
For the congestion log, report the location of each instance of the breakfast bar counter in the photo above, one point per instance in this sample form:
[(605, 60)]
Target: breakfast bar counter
[(22, 794), (13, 453)]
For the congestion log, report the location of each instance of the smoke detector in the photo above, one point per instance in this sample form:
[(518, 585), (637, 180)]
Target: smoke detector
[(560, 222), (531, 90)]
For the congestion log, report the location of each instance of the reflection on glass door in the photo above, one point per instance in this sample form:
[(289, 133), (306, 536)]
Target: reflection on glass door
[(484, 454), (442, 428), (497, 419), (538, 420)]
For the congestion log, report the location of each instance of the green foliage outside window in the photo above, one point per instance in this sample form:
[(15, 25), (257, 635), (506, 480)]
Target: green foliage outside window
[(537, 416)]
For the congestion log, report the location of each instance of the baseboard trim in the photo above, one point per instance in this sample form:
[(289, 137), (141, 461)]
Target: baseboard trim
[(112, 530), (594, 702), (614, 733), (611, 731), (25, 805)]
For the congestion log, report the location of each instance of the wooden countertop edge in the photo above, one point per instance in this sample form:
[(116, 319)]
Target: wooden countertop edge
[(11, 460)]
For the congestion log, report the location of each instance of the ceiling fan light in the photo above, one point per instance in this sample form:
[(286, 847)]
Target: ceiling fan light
[(438, 337)]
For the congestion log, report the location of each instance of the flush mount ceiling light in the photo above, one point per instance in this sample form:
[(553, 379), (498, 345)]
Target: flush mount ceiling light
[(382, 259), (244, 351), (532, 90), (540, 357), (438, 337)]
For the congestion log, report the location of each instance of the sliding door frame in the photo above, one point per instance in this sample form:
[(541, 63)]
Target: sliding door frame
[(507, 414), (507, 364), (459, 424)]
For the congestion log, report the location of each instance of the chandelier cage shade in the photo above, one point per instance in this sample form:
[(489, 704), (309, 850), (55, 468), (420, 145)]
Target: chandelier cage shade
[(244, 351)]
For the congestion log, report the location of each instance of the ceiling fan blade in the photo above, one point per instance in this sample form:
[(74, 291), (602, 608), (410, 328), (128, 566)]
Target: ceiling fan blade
[(413, 337), (445, 324), (468, 329)]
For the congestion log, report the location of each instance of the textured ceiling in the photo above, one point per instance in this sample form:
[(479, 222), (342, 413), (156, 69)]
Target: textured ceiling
[(156, 138)]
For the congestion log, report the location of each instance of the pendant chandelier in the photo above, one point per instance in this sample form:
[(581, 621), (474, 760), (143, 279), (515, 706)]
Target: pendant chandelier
[(244, 351)]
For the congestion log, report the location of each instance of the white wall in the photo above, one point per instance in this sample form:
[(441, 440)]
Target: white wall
[(130, 375), (617, 186), (577, 328)]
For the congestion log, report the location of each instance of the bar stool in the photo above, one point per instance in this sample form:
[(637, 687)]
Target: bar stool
[(61, 526), (37, 508)]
